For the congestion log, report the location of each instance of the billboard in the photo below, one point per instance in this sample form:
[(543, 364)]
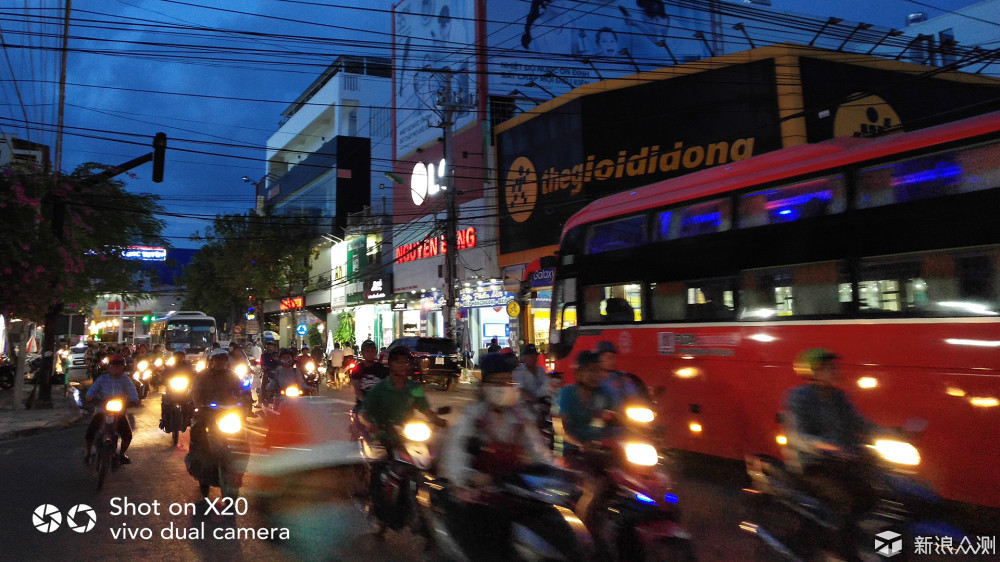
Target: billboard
[(434, 51), (557, 44), (553, 164)]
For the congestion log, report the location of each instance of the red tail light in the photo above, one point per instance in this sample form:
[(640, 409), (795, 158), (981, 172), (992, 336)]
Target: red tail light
[(352, 366)]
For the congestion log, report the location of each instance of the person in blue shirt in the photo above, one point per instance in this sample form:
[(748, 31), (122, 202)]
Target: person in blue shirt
[(582, 405), (113, 384), (619, 386)]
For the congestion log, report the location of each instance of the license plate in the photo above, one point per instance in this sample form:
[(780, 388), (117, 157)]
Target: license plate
[(439, 360)]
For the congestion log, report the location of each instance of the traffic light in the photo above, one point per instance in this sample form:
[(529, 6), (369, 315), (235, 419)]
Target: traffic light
[(159, 151), (146, 319)]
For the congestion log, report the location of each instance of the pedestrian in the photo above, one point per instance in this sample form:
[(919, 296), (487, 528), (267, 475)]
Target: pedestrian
[(494, 346)]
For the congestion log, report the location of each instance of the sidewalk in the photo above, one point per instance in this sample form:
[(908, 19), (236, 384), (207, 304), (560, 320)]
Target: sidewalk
[(21, 422)]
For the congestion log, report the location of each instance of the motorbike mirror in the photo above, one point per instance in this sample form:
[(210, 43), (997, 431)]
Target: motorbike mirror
[(444, 410), (474, 446), (915, 425)]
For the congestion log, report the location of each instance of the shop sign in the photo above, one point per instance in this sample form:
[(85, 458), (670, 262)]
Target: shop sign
[(543, 278), (433, 247), (432, 301), (292, 303), (484, 298), (145, 253), (399, 306), (377, 289)]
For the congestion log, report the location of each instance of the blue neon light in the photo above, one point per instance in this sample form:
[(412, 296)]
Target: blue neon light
[(929, 175), (670, 498), (213, 405), (785, 212), (715, 217), (246, 383), (644, 498)]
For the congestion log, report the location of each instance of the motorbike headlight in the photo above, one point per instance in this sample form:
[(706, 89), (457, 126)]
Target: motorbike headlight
[(146, 374), (241, 370), (179, 383), (200, 366), (417, 431), (142, 365), (639, 414), (292, 391), (171, 362), (158, 363), (113, 405), (310, 367), (230, 423), (898, 452), (642, 454), (137, 376), (104, 361)]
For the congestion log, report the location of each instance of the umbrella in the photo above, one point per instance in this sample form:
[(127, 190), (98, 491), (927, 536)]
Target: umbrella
[(269, 336), (32, 345)]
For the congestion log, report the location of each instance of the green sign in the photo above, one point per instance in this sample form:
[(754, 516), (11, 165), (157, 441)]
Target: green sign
[(357, 253)]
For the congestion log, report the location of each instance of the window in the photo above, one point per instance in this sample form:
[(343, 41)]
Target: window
[(617, 235), (708, 299), (694, 220), (812, 289), (948, 283), (945, 173), (824, 196), (613, 304)]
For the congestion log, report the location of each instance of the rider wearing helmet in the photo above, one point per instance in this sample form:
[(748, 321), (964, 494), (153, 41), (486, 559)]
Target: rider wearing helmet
[(286, 374), (826, 437), (110, 385), (368, 372)]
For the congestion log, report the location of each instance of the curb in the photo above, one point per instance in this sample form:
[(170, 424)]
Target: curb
[(43, 428)]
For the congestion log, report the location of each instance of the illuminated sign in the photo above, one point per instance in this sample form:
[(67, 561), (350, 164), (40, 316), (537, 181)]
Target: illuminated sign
[(426, 181), (378, 288), (145, 253), (432, 247), (291, 303)]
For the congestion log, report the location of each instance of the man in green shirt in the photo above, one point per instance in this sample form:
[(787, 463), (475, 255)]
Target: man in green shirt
[(393, 400)]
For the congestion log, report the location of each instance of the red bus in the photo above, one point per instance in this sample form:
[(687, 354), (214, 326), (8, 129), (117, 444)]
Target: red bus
[(885, 250)]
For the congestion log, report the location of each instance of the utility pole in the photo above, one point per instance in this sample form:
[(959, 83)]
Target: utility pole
[(450, 102)]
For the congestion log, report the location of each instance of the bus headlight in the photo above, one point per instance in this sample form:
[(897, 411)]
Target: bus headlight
[(179, 383), (417, 431), (230, 423), (639, 414), (642, 454), (114, 405), (898, 452)]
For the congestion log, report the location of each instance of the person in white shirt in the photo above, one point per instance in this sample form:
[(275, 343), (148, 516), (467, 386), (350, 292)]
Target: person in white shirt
[(256, 351)]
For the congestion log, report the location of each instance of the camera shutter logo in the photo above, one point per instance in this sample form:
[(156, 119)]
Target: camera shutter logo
[(46, 518), (888, 543), (521, 189), (81, 518)]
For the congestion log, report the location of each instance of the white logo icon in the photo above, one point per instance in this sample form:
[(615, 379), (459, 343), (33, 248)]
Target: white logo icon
[(81, 518), (46, 518), (888, 543)]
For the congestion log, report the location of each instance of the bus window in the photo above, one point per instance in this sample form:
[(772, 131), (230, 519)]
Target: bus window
[(812, 289), (613, 304), (945, 283), (694, 220), (617, 235), (709, 299), (814, 198), (945, 173)]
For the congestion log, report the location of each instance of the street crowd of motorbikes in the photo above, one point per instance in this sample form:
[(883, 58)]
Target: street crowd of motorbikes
[(635, 516)]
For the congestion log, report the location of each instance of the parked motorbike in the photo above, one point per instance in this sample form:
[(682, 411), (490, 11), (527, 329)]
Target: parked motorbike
[(104, 456), (176, 406), (637, 516), (397, 459), (538, 500), (792, 522), (7, 369), (222, 461)]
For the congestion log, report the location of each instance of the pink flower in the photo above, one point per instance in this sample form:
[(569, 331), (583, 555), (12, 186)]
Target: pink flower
[(7, 271), (26, 247), (39, 270)]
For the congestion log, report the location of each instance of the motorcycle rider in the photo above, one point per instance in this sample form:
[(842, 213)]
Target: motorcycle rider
[(826, 438), (286, 374), (393, 400), (303, 358), (269, 363), (111, 384), (216, 384), (180, 367), (368, 372), (619, 386), (531, 377)]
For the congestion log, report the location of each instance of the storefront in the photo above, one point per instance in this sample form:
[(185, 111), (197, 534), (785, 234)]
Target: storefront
[(483, 315), (374, 320)]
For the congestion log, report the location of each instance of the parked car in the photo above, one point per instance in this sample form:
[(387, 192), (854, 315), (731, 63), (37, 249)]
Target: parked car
[(434, 360), (76, 365)]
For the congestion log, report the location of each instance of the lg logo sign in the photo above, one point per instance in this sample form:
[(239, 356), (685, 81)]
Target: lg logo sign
[(80, 518)]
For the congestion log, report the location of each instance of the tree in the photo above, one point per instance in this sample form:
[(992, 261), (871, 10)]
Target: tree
[(61, 243), (345, 329), (313, 337), (248, 258)]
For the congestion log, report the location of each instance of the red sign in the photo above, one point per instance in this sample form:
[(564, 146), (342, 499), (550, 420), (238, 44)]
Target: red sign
[(291, 304), (432, 247)]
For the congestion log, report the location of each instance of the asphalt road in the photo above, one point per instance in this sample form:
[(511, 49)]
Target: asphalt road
[(47, 469)]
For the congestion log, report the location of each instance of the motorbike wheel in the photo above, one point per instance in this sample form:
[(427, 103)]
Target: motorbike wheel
[(228, 490), (176, 435), (103, 465), (448, 384)]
